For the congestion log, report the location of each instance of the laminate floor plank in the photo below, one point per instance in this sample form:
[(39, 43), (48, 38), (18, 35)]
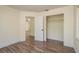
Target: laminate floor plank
[(50, 46)]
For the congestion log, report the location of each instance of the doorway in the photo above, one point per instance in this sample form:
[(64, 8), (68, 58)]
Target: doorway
[(30, 32), (55, 31)]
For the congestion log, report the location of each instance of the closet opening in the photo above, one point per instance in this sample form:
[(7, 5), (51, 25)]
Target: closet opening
[(55, 31)]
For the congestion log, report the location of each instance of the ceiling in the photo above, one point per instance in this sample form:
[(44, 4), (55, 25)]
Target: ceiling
[(35, 8)]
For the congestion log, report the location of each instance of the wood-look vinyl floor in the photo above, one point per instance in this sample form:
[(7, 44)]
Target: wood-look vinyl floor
[(51, 46)]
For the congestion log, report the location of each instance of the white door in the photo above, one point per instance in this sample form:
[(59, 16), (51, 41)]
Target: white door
[(39, 35), (45, 33)]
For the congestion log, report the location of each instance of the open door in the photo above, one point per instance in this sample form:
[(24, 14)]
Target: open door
[(45, 28), (39, 28)]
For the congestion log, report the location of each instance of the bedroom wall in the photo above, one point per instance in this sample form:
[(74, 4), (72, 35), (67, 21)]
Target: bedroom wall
[(9, 26), (77, 31)]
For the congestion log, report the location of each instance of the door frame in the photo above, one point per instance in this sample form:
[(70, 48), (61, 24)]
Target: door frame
[(29, 30), (45, 26)]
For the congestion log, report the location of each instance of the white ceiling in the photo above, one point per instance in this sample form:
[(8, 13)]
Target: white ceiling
[(35, 8)]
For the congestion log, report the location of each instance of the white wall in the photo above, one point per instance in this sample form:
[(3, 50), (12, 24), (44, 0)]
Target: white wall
[(55, 27), (77, 31), (9, 26), (69, 26), (77, 23)]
